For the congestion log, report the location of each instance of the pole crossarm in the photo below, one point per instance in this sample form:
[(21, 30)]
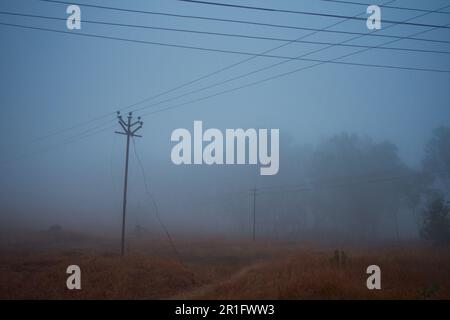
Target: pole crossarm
[(128, 127)]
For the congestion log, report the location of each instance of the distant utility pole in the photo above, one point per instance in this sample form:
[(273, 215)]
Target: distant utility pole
[(129, 129), (253, 191)]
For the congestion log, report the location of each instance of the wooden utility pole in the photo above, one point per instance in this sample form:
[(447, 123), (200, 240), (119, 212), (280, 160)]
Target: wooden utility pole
[(129, 129)]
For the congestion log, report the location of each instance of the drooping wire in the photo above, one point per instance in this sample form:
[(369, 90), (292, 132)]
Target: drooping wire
[(155, 205)]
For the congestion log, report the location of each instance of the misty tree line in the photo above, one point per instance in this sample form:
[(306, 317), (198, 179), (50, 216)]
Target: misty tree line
[(351, 187)]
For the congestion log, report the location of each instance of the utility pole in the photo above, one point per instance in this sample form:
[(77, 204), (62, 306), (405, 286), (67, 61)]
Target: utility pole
[(129, 129), (254, 212)]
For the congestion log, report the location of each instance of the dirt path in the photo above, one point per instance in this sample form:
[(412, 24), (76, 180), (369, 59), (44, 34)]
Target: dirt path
[(209, 288)]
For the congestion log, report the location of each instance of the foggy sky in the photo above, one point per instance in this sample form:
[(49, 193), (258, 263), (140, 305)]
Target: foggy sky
[(52, 81)]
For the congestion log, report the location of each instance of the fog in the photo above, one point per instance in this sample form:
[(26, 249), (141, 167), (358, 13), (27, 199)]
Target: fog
[(356, 162)]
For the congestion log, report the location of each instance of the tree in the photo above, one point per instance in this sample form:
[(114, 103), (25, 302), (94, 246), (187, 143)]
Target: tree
[(436, 221), (359, 185), (438, 150), (436, 164)]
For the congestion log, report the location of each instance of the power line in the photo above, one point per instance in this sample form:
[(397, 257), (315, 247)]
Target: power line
[(259, 70), (74, 138), (220, 70), (236, 64), (203, 77), (245, 53), (241, 21), (103, 130), (389, 42), (232, 65), (227, 67), (213, 85), (328, 15), (279, 75), (75, 126), (227, 34), (210, 86), (383, 6), (251, 84), (70, 140), (208, 75), (224, 51), (248, 59)]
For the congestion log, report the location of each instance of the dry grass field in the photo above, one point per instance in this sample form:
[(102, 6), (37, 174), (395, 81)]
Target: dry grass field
[(216, 269)]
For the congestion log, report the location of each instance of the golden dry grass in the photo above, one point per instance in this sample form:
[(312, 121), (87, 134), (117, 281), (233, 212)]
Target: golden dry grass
[(406, 274), (221, 269)]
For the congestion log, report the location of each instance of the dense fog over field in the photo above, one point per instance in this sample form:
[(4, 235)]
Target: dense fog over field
[(362, 151)]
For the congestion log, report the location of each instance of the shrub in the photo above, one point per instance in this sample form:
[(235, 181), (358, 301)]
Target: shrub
[(436, 221)]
